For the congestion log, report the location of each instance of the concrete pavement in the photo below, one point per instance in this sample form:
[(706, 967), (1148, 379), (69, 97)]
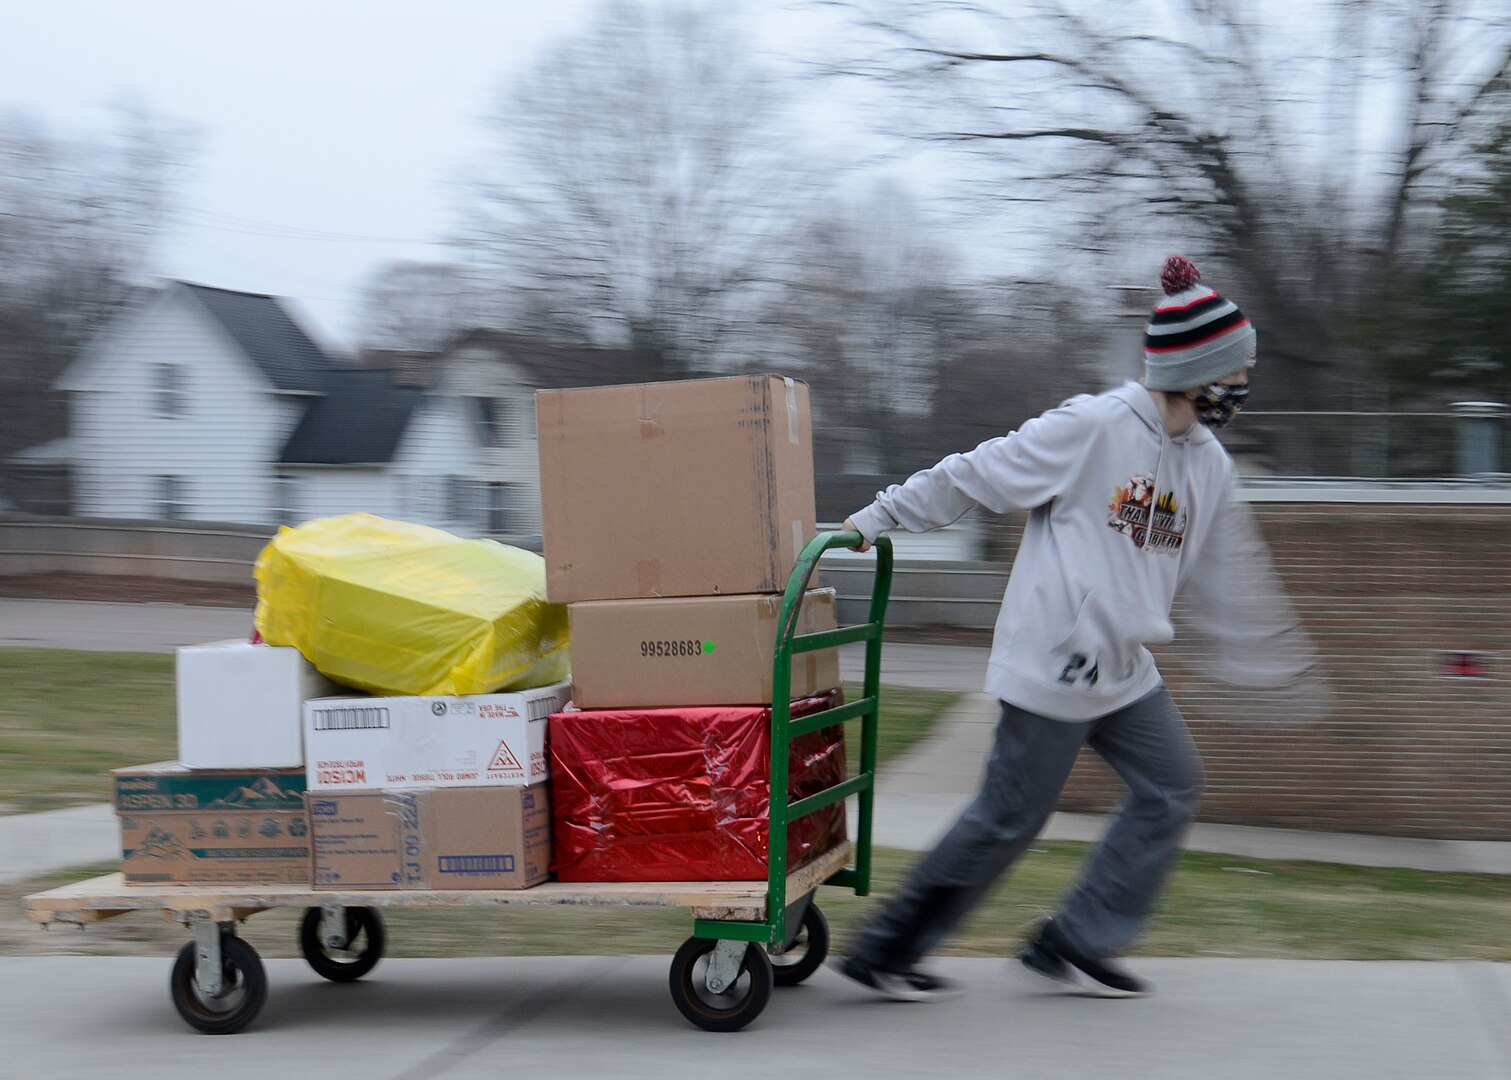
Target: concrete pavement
[(98, 626), (35, 844), (613, 1017)]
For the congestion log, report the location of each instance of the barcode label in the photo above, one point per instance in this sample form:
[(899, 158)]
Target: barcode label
[(354, 719), (540, 708), (476, 864)]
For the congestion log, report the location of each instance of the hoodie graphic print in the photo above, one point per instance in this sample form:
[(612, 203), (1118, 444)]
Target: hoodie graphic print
[(1154, 526)]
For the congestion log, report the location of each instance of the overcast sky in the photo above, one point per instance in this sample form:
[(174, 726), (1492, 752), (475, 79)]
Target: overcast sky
[(329, 131)]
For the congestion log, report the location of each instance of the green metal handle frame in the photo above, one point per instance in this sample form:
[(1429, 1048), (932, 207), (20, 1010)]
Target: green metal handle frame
[(781, 813)]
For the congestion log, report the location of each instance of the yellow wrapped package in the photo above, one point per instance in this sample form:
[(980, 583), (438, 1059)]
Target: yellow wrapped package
[(396, 608)]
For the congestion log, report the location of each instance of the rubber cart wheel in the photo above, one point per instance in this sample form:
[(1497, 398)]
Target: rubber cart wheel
[(365, 941), (244, 988), (807, 952), (731, 1010)]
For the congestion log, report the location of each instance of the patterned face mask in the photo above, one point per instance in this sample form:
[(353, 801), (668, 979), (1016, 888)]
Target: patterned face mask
[(1217, 403)]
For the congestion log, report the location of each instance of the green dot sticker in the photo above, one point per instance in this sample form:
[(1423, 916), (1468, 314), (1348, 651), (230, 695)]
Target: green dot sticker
[(708, 646)]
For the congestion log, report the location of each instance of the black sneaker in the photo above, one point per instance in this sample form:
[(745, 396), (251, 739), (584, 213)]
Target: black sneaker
[(1054, 957), (1042, 961), (908, 985)]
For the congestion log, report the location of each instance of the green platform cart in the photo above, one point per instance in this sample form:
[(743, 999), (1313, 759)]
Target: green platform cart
[(748, 936)]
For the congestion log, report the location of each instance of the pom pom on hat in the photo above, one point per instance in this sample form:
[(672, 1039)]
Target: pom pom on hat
[(1179, 274), (1194, 336)]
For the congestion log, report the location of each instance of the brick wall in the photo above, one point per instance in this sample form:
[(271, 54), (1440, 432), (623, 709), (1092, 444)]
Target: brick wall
[(1382, 588)]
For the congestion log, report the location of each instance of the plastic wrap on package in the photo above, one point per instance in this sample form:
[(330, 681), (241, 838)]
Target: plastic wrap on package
[(397, 608), (681, 794)]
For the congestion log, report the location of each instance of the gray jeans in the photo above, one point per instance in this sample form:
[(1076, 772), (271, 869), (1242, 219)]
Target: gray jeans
[(1146, 743)]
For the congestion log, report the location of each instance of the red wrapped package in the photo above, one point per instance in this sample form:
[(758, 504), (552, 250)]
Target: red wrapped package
[(682, 794)]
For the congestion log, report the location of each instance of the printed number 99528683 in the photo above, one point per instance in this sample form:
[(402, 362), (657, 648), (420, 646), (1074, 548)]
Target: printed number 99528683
[(671, 648)]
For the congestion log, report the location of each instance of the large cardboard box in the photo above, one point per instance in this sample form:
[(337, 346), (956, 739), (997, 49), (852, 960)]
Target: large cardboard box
[(694, 488), (472, 740), (234, 827), (692, 650), (461, 838), (240, 706)]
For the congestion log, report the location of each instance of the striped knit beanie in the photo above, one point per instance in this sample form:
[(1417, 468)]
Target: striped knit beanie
[(1194, 337)]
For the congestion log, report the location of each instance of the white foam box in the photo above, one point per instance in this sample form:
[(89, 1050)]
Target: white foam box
[(241, 706), (470, 740)]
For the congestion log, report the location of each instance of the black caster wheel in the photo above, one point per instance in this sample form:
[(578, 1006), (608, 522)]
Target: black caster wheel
[(738, 1005), (807, 952), (365, 942), (244, 988)]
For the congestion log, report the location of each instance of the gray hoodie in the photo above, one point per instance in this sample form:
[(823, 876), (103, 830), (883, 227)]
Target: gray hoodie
[(1122, 517)]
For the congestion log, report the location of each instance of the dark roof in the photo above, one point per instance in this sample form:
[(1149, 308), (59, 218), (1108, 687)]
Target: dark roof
[(273, 341), (359, 420), (554, 366), (408, 367)]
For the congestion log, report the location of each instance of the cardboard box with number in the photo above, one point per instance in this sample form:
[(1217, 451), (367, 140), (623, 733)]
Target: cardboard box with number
[(693, 651)]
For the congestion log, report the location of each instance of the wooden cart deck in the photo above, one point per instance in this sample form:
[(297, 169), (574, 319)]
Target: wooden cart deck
[(107, 896)]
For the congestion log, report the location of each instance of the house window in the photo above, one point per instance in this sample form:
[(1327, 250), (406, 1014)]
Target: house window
[(487, 421), (461, 505), (285, 499), (495, 422), (169, 399), (172, 498), (502, 511)]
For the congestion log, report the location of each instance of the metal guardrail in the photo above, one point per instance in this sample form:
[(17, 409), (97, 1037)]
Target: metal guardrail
[(1490, 489), (1470, 439)]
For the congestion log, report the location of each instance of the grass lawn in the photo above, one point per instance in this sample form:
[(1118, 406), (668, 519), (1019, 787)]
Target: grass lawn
[(67, 718), (907, 716)]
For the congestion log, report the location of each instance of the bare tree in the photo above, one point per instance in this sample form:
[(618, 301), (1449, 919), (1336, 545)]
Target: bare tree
[(418, 306), (1446, 329), (78, 221), (1299, 147), (638, 175), (874, 305)]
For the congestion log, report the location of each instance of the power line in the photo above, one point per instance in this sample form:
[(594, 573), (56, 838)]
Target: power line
[(251, 227)]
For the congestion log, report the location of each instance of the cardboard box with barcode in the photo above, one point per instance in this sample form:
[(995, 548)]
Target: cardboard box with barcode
[(469, 740), (459, 838), (715, 650), (696, 488)]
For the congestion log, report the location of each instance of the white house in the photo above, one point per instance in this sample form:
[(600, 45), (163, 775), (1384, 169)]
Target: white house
[(180, 407), (211, 405), (488, 379)]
